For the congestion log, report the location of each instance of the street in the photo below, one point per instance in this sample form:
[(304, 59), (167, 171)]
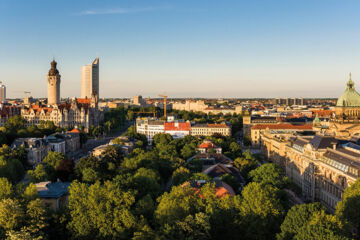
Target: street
[(86, 150)]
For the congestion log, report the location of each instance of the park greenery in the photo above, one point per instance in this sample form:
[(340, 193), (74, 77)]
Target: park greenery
[(143, 195)]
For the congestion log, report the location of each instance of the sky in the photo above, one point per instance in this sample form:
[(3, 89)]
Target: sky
[(186, 48)]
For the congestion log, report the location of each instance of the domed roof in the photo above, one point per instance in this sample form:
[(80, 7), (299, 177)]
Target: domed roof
[(350, 98), (53, 70)]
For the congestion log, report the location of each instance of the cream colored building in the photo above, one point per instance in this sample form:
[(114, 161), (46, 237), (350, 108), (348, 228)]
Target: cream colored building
[(319, 165), (150, 127), (90, 80), (80, 112), (189, 105), (210, 129), (284, 128), (77, 113), (53, 82)]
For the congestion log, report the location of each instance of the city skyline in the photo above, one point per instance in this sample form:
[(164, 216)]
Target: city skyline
[(204, 49)]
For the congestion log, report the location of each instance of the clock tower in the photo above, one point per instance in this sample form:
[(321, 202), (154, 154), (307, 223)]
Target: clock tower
[(53, 80)]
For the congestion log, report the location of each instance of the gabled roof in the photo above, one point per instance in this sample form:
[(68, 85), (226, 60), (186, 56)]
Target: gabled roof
[(207, 144), (322, 142), (52, 189), (220, 169)]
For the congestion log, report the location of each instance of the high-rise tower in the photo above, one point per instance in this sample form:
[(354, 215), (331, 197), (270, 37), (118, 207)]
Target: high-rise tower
[(53, 80), (2, 93), (90, 80)]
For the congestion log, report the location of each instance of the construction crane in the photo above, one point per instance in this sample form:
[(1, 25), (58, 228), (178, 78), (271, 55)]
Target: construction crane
[(165, 98)]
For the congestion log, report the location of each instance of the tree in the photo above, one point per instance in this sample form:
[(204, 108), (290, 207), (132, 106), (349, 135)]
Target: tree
[(192, 227), (195, 165), (100, 211), (176, 205), (162, 139), (15, 123), (200, 176), (65, 170), (260, 210), (30, 192), (235, 150), (146, 182), (53, 159), (180, 176), (269, 173), (322, 226), (38, 175), (11, 214), (229, 179), (188, 150), (298, 216), (36, 219), (345, 208), (245, 165), (5, 188)]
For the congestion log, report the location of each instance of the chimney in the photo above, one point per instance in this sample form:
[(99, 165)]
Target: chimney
[(334, 145)]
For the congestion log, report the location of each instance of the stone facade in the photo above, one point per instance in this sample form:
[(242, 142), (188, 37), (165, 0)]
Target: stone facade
[(320, 165), (37, 149), (77, 113)]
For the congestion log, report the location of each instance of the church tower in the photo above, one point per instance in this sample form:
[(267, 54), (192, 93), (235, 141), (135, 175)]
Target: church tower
[(53, 80)]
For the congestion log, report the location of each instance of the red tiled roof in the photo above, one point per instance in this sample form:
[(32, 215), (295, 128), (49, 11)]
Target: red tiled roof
[(207, 145), (220, 191), (83, 100), (75, 130), (282, 126), (323, 113), (181, 126), (37, 109)]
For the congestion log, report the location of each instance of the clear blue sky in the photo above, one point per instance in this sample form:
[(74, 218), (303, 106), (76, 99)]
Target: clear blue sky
[(254, 48)]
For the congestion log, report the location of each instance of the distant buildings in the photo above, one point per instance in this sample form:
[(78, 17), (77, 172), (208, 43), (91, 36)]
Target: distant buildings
[(149, 127), (200, 106), (2, 93), (8, 111), (90, 80), (178, 128), (289, 101), (38, 148), (79, 112), (138, 101), (208, 129)]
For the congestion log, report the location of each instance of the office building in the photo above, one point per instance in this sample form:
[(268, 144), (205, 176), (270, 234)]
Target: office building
[(90, 80)]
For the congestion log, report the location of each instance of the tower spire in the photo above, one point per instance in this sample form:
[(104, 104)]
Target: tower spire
[(350, 83)]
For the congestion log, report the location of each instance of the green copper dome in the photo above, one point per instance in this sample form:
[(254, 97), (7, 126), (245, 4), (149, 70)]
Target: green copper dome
[(350, 98)]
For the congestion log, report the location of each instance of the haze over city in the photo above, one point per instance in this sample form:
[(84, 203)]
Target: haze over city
[(186, 48)]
